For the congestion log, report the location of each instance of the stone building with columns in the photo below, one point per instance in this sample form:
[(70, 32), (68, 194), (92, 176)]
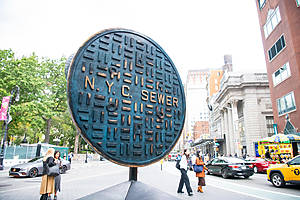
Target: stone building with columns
[(241, 112)]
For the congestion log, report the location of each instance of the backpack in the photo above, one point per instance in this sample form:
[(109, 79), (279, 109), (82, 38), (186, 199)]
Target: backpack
[(177, 164)]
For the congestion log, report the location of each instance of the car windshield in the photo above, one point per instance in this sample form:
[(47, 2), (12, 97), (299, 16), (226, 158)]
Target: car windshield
[(34, 159), (234, 160)]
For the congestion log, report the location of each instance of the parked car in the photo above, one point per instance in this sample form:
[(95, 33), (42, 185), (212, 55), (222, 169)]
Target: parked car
[(259, 164), (281, 174), (172, 156), (229, 167), (34, 167)]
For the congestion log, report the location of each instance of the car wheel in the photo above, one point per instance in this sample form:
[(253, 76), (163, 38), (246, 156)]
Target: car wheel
[(33, 172), (277, 180), (208, 173), (224, 174), (246, 176), (63, 169), (255, 169)]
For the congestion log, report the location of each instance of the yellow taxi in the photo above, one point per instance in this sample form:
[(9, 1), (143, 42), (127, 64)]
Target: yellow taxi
[(280, 174)]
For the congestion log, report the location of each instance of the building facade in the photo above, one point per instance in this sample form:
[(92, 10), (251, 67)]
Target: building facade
[(214, 80), (201, 129), (196, 106), (280, 30), (241, 112)]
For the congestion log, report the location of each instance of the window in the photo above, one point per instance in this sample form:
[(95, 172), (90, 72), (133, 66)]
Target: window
[(270, 122), (286, 103), (295, 161), (261, 3), (281, 74), (276, 48), (272, 21)]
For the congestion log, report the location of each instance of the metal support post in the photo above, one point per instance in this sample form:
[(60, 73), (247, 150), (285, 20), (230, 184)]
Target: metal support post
[(132, 173)]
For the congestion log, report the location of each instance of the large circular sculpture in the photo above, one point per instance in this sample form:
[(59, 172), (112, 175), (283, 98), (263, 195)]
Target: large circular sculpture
[(126, 97)]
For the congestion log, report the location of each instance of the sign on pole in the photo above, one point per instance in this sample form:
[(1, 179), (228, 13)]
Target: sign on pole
[(275, 129), (4, 108)]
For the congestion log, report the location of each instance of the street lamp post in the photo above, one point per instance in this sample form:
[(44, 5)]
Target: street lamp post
[(24, 141), (86, 157), (86, 153), (6, 122)]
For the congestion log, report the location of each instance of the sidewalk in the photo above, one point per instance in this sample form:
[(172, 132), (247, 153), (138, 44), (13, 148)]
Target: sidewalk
[(91, 163), (5, 171)]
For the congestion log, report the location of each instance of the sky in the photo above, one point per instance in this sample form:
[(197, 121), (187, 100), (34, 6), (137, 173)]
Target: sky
[(196, 34)]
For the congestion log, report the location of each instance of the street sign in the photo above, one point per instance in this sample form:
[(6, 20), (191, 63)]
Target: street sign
[(275, 129), (126, 97)]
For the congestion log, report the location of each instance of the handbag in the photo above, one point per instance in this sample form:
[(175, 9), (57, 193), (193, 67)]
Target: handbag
[(53, 171), (198, 168)]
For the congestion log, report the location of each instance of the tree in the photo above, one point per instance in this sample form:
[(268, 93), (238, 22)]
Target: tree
[(42, 94), (53, 97), (64, 129), (24, 72)]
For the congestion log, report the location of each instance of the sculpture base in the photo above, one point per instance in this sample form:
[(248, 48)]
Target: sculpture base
[(130, 190)]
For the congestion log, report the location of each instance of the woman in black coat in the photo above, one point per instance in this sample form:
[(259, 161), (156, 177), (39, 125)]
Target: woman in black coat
[(57, 179), (47, 184)]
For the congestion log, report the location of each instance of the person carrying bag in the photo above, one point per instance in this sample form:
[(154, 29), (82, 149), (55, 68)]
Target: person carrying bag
[(184, 179), (47, 184), (199, 168), (57, 178)]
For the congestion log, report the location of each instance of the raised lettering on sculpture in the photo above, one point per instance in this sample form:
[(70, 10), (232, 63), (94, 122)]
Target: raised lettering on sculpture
[(154, 97), (91, 84)]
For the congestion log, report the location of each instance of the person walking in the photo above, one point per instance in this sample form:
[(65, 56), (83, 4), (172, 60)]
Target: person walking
[(200, 175), (184, 179), (47, 184), (70, 156), (57, 179)]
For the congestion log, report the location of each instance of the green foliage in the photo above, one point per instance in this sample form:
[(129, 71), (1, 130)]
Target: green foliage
[(63, 129), (42, 97)]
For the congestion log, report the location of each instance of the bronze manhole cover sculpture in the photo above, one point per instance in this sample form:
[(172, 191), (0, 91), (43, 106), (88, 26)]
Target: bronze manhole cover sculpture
[(126, 97)]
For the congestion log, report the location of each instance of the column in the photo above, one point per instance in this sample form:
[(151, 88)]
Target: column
[(230, 132), (235, 120), (226, 132)]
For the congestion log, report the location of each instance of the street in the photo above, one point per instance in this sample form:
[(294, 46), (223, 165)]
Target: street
[(84, 179)]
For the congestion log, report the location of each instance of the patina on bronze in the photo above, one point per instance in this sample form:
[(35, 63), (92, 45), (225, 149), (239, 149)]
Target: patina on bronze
[(126, 97)]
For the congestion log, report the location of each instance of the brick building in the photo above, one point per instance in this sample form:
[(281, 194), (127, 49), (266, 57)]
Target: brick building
[(201, 128), (280, 30)]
